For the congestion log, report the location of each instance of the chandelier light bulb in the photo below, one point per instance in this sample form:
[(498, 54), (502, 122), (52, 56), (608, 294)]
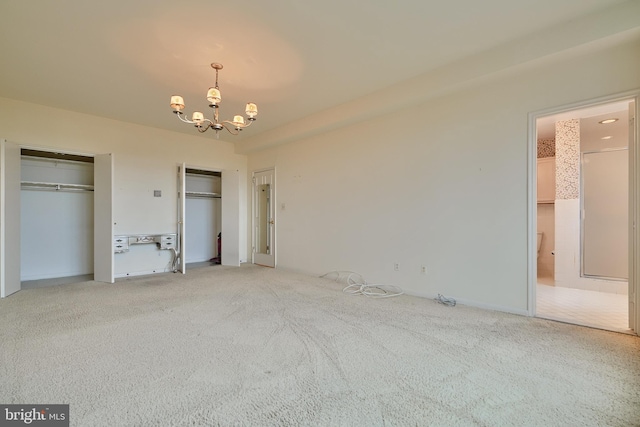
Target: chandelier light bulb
[(213, 96), (197, 117), (251, 110), (177, 102)]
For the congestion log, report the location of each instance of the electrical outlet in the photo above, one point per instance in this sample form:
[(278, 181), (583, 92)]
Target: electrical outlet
[(423, 269), (396, 266)]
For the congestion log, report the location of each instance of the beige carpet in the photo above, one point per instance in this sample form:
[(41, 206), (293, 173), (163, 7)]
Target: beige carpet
[(254, 346)]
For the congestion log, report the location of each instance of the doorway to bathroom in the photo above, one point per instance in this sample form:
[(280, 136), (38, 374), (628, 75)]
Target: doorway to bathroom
[(582, 216), (264, 214)]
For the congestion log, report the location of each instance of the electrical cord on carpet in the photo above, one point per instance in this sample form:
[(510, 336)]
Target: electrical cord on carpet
[(175, 260), (446, 301), (356, 285)]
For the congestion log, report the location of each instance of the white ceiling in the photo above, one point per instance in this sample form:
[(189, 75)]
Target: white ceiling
[(124, 59), (546, 126)]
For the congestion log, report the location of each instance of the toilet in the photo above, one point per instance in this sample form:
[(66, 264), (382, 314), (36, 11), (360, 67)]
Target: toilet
[(539, 242)]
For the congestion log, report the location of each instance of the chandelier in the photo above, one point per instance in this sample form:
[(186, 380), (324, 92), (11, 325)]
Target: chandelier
[(213, 96)]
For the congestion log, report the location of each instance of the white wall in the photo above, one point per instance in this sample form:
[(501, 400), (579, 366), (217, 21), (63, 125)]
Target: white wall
[(145, 159), (441, 184), (203, 225), (567, 266)]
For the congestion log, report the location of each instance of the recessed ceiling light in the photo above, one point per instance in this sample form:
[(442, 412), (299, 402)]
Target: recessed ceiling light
[(604, 122), (607, 137)]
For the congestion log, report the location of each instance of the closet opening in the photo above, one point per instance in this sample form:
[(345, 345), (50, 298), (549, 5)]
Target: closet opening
[(56, 218), (203, 218)]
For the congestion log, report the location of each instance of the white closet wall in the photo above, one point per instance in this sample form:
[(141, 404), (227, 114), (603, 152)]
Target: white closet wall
[(56, 229)]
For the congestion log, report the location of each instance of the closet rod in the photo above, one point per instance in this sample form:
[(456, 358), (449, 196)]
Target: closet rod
[(27, 185)]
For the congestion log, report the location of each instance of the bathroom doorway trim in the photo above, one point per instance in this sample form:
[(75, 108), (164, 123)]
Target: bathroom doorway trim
[(634, 199)]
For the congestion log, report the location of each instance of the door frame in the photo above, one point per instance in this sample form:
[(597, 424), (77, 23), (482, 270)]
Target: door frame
[(103, 253), (273, 213), (10, 164), (634, 200)]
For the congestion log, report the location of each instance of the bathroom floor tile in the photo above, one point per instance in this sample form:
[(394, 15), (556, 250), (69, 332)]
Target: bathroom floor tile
[(588, 308)]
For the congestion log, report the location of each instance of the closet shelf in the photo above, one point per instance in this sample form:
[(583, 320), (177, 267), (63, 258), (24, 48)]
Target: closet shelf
[(202, 194), (54, 186)]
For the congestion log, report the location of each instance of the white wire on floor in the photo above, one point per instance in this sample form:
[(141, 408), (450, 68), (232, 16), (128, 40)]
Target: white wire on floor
[(356, 285), (446, 301), (175, 260)]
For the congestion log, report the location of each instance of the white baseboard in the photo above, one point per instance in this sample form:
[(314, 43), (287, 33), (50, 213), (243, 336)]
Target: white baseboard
[(472, 303)]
